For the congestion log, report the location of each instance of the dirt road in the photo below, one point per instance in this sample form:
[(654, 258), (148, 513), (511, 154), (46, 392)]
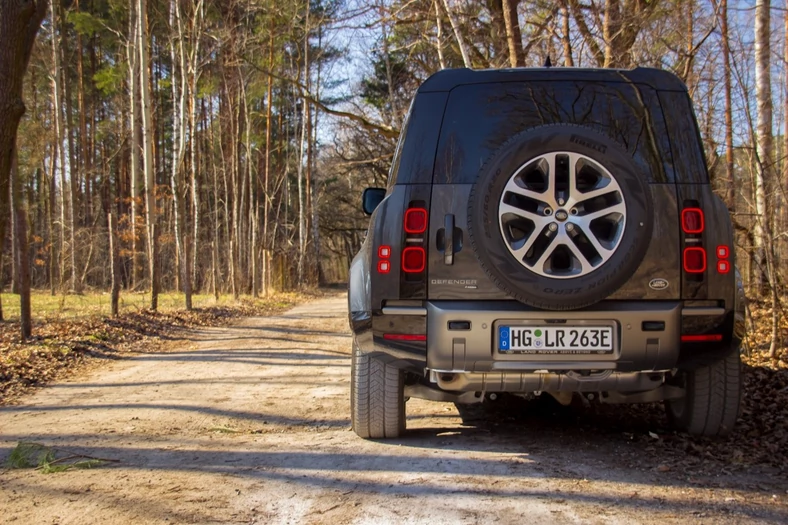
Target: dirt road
[(249, 424)]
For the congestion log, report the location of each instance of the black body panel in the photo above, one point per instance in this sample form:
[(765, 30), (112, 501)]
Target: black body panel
[(448, 136), (448, 79)]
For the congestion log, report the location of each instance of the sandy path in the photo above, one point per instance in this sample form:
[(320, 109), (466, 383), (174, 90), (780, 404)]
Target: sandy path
[(249, 424)]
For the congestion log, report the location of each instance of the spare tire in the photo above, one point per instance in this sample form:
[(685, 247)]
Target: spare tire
[(560, 217)]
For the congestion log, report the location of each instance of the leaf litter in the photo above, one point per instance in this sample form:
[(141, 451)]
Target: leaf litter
[(60, 347)]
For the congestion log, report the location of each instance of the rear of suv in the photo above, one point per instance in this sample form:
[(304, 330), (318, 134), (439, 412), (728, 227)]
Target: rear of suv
[(547, 231)]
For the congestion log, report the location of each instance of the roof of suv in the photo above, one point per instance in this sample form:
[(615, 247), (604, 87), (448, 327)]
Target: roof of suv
[(448, 79)]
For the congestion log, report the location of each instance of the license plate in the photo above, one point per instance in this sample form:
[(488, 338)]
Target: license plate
[(555, 340)]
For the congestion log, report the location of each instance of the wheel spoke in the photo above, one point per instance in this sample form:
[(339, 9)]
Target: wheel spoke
[(537, 219), (585, 265), (601, 250), (548, 251), (582, 197), (550, 159), (573, 161), (513, 187), (616, 208), (520, 252)]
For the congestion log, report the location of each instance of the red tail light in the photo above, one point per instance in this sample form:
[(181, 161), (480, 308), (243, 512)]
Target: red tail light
[(703, 338), (694, 260), (692, 220), (723, 266), (405, 337), (415, 220), (414, 259), (723, 252)]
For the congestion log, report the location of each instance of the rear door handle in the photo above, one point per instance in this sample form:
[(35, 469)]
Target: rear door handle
[(448, 252)]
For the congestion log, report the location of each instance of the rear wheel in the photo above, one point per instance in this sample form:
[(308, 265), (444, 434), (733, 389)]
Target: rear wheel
[(711, 402), (377, 397)]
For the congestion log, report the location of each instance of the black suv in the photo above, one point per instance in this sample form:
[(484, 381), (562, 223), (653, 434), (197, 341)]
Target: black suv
[(547, 231)]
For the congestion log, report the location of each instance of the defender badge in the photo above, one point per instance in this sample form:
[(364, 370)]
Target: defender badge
[(658, 284)]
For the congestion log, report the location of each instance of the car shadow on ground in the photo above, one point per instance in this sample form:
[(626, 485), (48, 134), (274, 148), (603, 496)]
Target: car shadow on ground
[(522, 475)]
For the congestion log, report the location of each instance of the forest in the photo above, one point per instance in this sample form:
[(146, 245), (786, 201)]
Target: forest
[(222, 146)]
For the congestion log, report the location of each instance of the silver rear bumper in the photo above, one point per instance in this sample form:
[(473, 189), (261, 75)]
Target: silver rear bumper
[(472, 356)]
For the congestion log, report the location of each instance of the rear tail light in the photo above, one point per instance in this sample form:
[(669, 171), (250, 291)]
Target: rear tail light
[(384, 264), (692, 220), (414, 259), (702, 338), (405, 337), (694, 260), (415, 220), (723, 264)]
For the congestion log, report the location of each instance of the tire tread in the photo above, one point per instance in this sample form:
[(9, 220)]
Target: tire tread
[(376, 397)]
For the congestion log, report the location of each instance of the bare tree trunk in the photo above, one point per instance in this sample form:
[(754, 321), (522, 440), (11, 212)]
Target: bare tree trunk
[(439, 43), (134, 114), (73, 167), (466, 59), (302, 160), (764, 169), (85, 160), (689, 79), (764, 145), (19, 23), (59, 152), (195, 192), (179, 87), (785, 99), (147, 138), (23, 263), (565, 39), (114, 263), (514, 37), (266, 182), (730, 195), (51, 219), (313, 195), (215, 267)]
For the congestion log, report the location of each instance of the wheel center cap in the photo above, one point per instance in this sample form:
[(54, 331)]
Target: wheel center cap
[(561, 215)]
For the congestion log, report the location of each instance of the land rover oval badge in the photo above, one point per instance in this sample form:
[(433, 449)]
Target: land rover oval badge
[(658, 284)]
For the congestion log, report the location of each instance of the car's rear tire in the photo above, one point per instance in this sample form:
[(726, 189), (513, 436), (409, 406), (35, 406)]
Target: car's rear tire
[(712, 398), (377, 397)]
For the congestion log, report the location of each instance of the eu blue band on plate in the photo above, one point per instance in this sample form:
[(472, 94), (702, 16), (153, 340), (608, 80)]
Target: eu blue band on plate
[(503, 338)]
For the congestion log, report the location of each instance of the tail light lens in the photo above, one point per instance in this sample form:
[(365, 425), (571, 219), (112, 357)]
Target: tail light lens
[(694, 260), (692, 220), (415, 220), (702, 338), (723, 266), (414, 259), (405, 337), (723, 252)]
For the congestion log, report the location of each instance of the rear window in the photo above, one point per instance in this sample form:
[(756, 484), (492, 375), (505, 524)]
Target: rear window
[(689, 161), (480, 118)]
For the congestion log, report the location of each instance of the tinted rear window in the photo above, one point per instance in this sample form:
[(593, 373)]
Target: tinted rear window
[(480, 118), (689, 161)]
